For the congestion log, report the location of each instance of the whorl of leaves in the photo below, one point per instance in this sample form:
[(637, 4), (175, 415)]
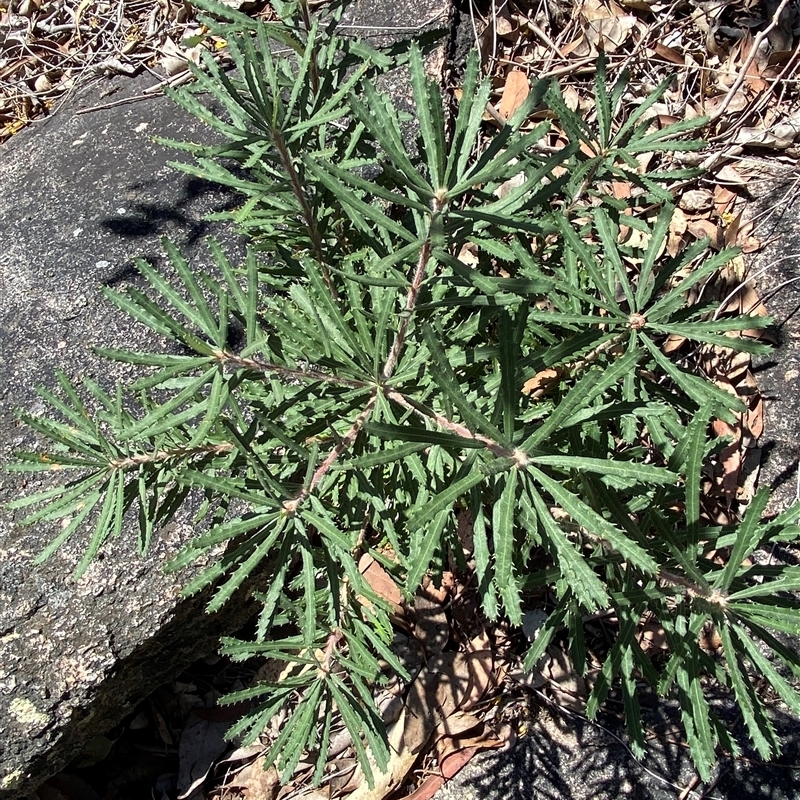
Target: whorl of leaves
[(376, 388)]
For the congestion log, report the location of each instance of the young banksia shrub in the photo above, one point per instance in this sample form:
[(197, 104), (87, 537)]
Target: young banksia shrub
[(359, 384)]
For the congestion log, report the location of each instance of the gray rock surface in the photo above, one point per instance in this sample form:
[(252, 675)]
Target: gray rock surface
[(567, 758), (776, 271), (82, 195)]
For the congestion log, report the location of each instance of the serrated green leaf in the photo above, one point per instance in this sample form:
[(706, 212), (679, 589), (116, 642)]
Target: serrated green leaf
[(594, 523), (425, 541), (448, 383), (774, 617), (583, 582), (787, 579), (591, 385), (758, 724), (503, 536), (747, 539), (643, 473), (764, 668)]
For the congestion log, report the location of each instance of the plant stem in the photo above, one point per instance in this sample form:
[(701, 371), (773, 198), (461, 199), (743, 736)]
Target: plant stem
[(322, 470), (165, 455), (411, 298), (451, 427), (308, 214), (335, 637), (286, 372), (386, 372)]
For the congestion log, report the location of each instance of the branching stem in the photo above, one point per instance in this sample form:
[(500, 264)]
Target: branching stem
[(166, 455), (411, 298), (322, 470), (386, 372), (451, 427), (335, 637), (692, 589), (286, 372), (308, 213)]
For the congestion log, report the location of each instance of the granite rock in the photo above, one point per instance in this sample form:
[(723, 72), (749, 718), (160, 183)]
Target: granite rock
[(84, 194), (776, 272)]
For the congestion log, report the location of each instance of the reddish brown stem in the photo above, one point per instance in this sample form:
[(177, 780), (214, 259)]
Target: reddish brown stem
[(165, 455), (456, 428), (285, 372), (411, 298), (334, 638), (405, 318), (389, 366), (307, 212), (290, 506)]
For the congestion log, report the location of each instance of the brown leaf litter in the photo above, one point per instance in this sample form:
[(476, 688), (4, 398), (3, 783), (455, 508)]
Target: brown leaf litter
[(49, 47)]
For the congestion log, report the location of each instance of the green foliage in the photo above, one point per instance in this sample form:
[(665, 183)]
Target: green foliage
[(352, 389)]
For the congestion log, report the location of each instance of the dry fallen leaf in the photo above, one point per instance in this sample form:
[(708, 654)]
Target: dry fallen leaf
[(755, 416), (259, 781), (610, 34), (696, 201), (746, 301), (457, 723), (469, 254), (515, 93), (724, 199), (504, 24), (572, 100), (673, 343), (568, 688), (381, 582), (710, 640), (482, 676), (449, 682), (652, 636), (592, 10), (669, 54), (701, 228), (506, 187), (677, 227), (541, 382), (777, 137), (730, 457), (431, 626), (730, 175), (202, 743), (401, 759)]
